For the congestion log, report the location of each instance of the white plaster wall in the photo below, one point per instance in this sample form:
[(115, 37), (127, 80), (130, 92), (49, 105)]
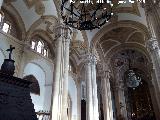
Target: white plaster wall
[(37, 71), (2, 57), (73, 94), (46, 66), (29, 16)]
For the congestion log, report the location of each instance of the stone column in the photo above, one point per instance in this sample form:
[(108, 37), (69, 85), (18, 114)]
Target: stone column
[(154, 50), (120, 96), (60, 84), (56, 106), (94, 87), (79, 99), (153, 18), (108, 111), (89, 101), (66, 42)]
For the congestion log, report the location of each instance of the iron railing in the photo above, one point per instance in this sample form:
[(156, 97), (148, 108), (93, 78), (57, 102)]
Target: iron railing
[(43, 115)]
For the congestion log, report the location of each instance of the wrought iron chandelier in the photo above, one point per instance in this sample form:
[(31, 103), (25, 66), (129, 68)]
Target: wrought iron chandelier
[(133, 80), (85, 16)]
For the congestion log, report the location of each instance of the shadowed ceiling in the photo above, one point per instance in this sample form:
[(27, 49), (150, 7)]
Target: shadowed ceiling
[(119, 36)]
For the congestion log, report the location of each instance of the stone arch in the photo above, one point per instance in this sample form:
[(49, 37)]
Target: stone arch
[(47, 19), (133, 46), (17, 18), (123, 23), (34, 87), (141, 48), (143, 69)]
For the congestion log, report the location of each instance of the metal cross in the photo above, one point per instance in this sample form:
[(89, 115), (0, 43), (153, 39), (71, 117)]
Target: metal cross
[(10, 51)]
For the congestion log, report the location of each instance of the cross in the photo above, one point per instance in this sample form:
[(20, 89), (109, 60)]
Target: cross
[(10, 51)]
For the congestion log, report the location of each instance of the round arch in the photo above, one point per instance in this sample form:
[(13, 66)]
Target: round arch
[(16, 16), (124, 23), (44, 19), (130, 45)]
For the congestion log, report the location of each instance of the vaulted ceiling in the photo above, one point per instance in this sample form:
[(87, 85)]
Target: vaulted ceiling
[(119, 36), (31, 10)]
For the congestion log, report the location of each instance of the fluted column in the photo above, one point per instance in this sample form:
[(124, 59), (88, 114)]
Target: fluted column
[(66, 42), (94, 88), (89, 90), (108, 111)]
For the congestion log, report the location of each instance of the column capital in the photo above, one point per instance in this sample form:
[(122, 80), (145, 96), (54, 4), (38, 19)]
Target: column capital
[(91, 59), (152, 44), (106, 74), (64, 31)]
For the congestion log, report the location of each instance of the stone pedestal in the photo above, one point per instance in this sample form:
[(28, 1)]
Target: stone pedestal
[(15, 99)]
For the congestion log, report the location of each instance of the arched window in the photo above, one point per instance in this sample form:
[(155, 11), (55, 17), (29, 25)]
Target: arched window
[(39, 45), (9, 25), (5, 25)]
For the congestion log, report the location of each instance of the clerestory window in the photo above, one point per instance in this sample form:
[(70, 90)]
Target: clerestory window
[(8, 25), (40, 46)]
